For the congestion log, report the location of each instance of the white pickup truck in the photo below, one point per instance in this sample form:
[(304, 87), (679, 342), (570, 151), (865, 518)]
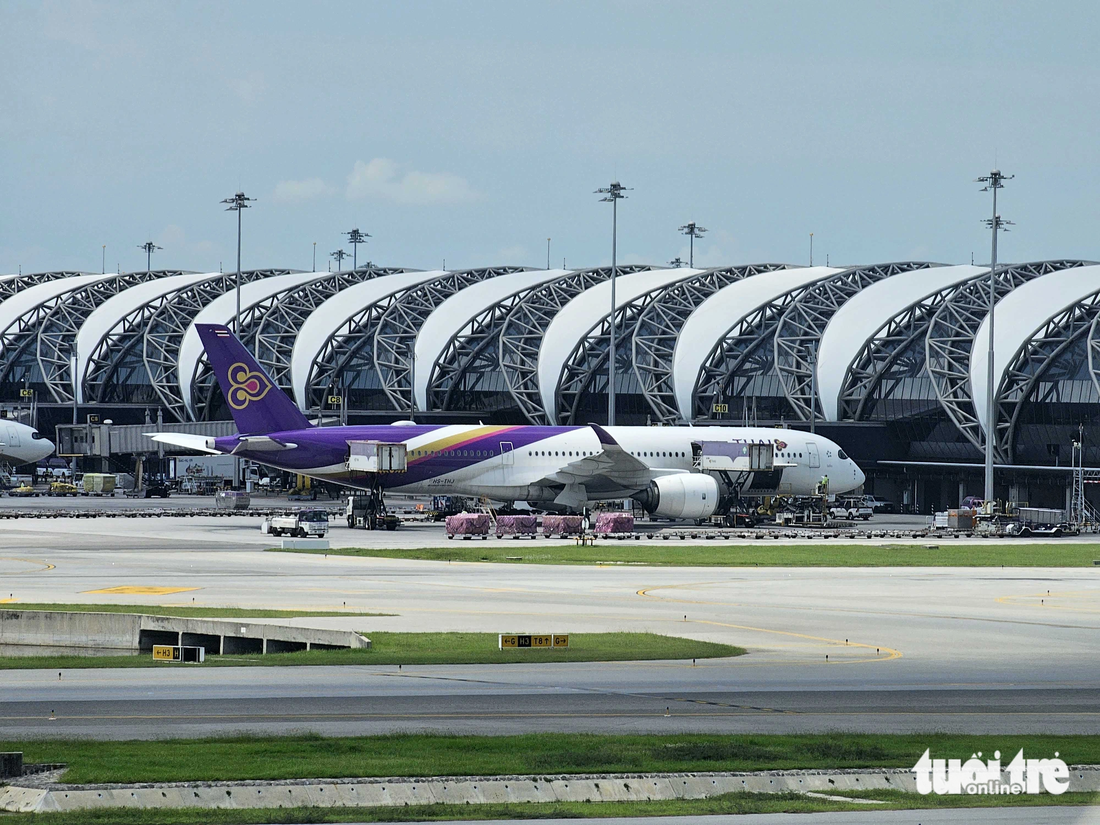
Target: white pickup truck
[(301, 524), (850, 509)]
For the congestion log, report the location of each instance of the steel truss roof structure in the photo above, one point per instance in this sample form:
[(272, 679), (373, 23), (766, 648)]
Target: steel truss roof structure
[(656, 330), (857, 329), (799, 332), (899, 342), (14, 284), (522, 330), (60, 324), (395, 316), (270, 327), (741, 363), (139, 344), (1038, 369), (400, 324), (949, 340)]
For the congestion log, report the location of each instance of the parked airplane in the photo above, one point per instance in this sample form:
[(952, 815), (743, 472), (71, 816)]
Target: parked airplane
[(20, 444), (550, 467)]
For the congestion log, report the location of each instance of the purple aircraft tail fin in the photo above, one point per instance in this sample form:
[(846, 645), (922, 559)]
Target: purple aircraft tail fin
[(257, 405)]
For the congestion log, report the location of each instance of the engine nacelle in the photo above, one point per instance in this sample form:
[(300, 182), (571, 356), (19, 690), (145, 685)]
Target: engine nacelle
[(684, 495)]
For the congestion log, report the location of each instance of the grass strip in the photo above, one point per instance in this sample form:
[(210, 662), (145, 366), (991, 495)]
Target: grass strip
[(736, 803), (186, 611), (308, 756), (763, 553), (425, 649)]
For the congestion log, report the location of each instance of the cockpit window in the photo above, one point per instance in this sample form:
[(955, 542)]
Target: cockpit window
[(35, 436), (843, 455)]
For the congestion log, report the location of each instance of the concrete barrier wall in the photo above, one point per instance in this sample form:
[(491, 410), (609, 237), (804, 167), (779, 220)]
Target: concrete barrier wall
[(38, 632), (110, 633), (464, 790)]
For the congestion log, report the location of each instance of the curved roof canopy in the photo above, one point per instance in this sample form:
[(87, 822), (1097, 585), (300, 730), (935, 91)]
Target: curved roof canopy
[(865, 313), (324, 322), (448, 319), (221, 311), (112, 311), (582, 313), (22, 303), (1018, 316), (720, 313)]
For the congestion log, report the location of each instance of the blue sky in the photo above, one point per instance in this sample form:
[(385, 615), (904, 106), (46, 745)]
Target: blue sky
[(474, 131)]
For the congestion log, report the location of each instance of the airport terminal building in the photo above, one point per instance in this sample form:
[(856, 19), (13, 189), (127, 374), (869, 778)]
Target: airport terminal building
[(890, 360)]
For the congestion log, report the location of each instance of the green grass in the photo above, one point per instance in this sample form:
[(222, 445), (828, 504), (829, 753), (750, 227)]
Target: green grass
[(426, 649), (185, 611), (762, 553), (415, 755), (735, 803)]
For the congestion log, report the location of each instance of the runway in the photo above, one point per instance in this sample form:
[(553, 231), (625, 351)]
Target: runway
[(983, 650)]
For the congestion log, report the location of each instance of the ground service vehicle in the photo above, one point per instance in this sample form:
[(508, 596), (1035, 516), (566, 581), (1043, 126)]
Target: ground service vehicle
[(363, 511), (23, 491), (301, 524), (878, 505), (851, 509), (63, 488)]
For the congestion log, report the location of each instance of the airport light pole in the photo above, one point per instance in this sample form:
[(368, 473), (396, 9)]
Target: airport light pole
[(355, 237), (314, 256), (339, 256), (693, 231), (103, 262), (993, 181), (149, 247), (238, 203), (612, 193)]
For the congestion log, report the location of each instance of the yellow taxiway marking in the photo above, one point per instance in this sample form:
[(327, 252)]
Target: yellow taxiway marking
[(1051, 600), (137, 589), (8, 601), (44, 566), (890, 652)]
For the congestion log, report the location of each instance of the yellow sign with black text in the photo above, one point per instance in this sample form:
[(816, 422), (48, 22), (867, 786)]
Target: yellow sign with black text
[(543, 641), (167, 653)]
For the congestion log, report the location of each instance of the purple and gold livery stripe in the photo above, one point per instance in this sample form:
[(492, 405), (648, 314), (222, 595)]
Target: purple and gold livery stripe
[(422, 452)]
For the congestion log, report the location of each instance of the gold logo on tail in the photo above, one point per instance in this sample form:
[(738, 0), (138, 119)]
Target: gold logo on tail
[(245, 386)]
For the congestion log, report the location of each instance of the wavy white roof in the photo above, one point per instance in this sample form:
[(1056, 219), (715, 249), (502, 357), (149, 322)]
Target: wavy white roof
[(452, 315), (21, 303), (323, 322), (852, 326), (1017, 317), (221, 311), (107, 315), (584, 312), (720, 313)]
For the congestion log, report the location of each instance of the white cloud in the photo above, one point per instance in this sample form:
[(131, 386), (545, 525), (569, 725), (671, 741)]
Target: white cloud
[(381, 178), (293, 191)]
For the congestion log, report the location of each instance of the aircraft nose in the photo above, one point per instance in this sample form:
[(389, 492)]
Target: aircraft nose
[(48, 448), (860, 475)]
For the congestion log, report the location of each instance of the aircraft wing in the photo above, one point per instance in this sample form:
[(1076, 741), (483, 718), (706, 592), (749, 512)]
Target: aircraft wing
[(611, 467)]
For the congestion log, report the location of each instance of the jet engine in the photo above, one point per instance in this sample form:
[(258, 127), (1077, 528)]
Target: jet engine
[(684, 495)]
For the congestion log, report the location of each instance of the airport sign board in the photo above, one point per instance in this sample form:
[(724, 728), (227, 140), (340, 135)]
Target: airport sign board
[(543, 641), (167, 653)]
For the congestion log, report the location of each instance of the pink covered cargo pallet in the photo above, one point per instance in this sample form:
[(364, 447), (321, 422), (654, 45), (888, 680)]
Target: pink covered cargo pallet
[(613, 523), (468, 525), (516, 526), (562, 525)]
